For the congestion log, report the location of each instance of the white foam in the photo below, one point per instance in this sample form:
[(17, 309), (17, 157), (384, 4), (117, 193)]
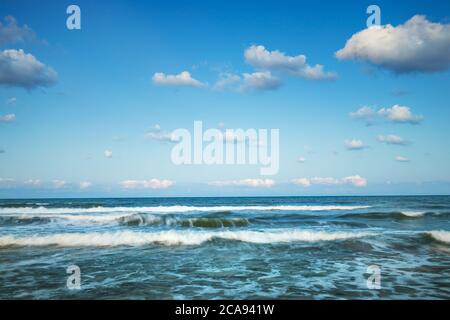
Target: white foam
[(173, 237), (440, 235), (413, 214), (173, 209)]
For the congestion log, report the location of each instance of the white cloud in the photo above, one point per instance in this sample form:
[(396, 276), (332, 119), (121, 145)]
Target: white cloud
[(356, 181), (182, 79), (58, 184), (147, 184), (304, 182), (10, 32), (354, 144), (8, 118), (391, 139), (418, 45), (7, 182), (227, 80), (259, 81), (19, 69), (363, 113), (324, 181), (301, 159), (262, 59), (401, 159), (399, 113), (108, 153), (32, 182), (11, 101), (156, 133), (255, 183), (85, 184)]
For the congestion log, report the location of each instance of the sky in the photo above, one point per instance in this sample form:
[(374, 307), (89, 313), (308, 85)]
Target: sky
[(91, 112)]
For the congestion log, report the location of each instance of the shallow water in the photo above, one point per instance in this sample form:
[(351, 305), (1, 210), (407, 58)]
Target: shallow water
[(235, 248)]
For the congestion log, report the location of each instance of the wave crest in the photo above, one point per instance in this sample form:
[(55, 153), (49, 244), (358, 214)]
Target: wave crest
[(173, 237)]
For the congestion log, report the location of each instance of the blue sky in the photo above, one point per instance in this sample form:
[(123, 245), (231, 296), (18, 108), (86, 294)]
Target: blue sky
[(55, 128)]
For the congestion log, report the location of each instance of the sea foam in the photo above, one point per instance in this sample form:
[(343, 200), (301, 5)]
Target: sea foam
[(440, 235), (175, 209), (173, 237)]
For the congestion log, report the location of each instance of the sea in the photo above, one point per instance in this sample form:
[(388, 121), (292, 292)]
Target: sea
[(377, 247)]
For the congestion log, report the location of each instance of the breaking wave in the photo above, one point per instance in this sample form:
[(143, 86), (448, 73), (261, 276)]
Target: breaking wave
[(440, 236), (172, 237), (394, 215), (173, 209), (209, 222)]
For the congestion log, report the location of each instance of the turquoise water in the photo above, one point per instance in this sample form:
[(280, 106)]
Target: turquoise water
[(233, 248)]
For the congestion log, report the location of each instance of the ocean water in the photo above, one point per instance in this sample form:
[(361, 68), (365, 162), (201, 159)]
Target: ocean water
[(231, 248)]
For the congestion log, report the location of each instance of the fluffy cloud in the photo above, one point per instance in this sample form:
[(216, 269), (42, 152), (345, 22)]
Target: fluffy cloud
[(227, 80), (304, 182), (354, 144), (401, 159), (260, 81), (418, 45), (58, 184), (182, 79), (8, 118), (397, 113), (10, 32), (355, 180), (248, 82), (255, 183), (147, 184), (20, 69), (301, 159), (108, 153), (85, 184), (262, 59), (392, 139), (364, 112)]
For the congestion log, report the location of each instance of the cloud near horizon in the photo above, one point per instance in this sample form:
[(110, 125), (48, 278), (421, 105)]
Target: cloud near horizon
[(418, 45), (147, 184), (254, 183), (356, 181)]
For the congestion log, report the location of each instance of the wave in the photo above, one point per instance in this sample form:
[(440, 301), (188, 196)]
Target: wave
[(394, 215), (173, 237), (174, 209), (439, 235), (210, 222), (12, 220)]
